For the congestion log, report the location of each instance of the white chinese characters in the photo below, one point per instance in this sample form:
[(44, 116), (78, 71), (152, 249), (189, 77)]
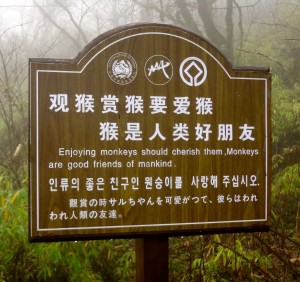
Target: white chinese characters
[(135, 105)]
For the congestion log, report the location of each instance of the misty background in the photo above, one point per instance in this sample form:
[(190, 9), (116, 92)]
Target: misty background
[(61, 28)]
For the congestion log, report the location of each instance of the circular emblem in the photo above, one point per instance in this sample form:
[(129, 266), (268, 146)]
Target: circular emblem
[(158, 69), (193, 71), (121, 68)]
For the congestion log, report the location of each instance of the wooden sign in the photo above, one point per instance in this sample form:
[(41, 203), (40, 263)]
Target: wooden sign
[(148, 130)]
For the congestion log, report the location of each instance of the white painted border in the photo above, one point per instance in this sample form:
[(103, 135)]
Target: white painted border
[(145, 225)]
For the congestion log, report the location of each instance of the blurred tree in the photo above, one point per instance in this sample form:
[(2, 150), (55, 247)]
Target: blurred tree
[(273, 38), (13, 107), (221, 22)]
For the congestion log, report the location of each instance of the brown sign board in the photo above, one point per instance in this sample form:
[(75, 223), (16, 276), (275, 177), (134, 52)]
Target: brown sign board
[(149, 130)]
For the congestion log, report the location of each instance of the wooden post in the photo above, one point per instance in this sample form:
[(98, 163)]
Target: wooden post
[(152, 259)]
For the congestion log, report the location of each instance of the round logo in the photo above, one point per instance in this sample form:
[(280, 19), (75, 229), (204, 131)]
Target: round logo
[(121, 68), (158, 69), (193, 71)]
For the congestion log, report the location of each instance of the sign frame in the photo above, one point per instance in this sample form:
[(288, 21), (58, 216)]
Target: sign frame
[(43, 68)]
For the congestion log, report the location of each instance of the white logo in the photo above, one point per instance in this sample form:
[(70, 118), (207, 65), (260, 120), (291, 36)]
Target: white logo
[(193, 71), (158, 70), (121, 68)]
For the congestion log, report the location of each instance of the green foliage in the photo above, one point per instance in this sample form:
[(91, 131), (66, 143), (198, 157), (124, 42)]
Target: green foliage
[(286, 199), (107, 260), (285, 117), (234, 257), (286, 156)]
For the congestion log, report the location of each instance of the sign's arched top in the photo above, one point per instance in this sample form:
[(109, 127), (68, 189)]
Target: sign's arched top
[(155, 32)]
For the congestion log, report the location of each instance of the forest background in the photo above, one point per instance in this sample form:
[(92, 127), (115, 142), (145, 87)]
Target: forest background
[(248, 32)]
